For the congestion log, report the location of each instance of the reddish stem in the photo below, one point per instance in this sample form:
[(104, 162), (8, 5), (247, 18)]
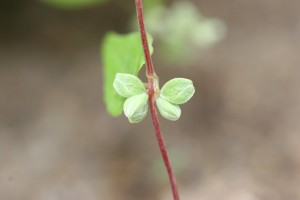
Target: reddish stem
[(140, 15), (163, 149), (152, 87)]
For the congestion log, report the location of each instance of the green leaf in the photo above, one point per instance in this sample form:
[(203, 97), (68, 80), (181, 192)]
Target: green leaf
[(127, 85), (152, 4), (136, 107), (72, 4), (120, 54), (168, 110), (178, 90), (182, 31)]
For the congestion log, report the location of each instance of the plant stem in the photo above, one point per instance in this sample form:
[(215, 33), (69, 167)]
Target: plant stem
[(140, 15), (152, 87), (163, 149)]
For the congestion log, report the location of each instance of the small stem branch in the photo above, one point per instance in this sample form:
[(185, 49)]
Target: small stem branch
[(152, 81)]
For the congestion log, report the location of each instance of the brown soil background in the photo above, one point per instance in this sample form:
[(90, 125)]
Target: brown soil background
[(238, 138)]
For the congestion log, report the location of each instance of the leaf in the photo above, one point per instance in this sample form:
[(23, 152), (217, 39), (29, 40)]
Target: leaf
[(178, 90), (72, 4), (168, 110), (152, 4), (127, 85), (136, 107), (182, 31), (120, 54)]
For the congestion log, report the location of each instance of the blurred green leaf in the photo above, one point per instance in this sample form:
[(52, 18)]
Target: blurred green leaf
[(151, 4), (120, 54), (182, 31), (72, 4)]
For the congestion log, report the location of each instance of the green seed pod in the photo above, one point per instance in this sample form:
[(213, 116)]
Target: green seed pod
[(168, 110), (135, 107), (178, 90), (128, 85)]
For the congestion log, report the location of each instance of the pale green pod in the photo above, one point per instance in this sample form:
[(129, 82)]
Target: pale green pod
[(128, 85), (138, 117), (136, 107), (168, 110), (178, 90)]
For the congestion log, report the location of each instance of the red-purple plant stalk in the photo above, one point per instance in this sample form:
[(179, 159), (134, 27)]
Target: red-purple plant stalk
[(152, 80)]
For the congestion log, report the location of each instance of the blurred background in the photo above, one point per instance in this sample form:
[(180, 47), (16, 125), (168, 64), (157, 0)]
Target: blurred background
[(238, 137)]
